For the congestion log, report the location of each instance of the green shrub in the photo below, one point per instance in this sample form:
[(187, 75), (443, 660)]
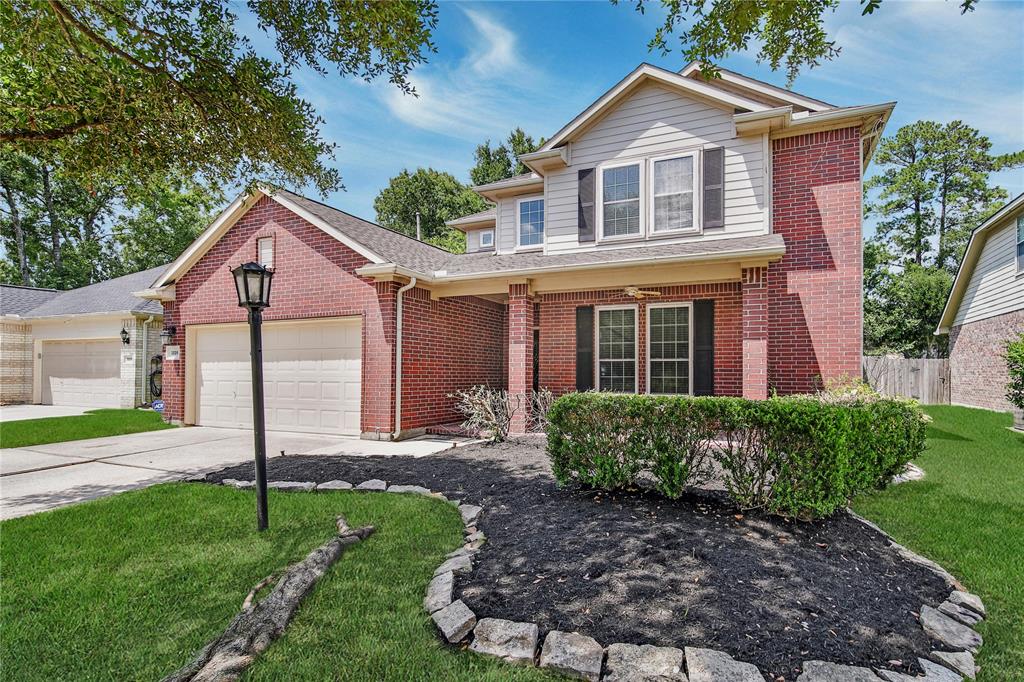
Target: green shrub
[(798, 456), (1015, 368)]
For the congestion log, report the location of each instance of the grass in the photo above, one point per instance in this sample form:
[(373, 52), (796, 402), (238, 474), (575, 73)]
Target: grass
[(968, 515), (92, 424), (131, 586)]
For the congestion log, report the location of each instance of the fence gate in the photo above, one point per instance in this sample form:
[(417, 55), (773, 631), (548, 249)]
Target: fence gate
[(923, 379)]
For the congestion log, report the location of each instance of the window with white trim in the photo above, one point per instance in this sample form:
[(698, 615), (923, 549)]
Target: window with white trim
[(486, 238), (620, 200), (265, 251), (1020, 243), (616, 349), (672, 192), (531, 222), (668, 349)]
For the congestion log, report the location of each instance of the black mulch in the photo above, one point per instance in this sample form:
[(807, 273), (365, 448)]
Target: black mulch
[(642, 569)]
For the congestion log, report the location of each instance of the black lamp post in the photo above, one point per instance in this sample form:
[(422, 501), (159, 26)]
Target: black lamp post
[(252, 281)]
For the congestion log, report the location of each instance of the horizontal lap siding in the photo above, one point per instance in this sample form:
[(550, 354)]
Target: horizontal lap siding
[(994, 287), (447, 345), (557, 323), (814, 292)]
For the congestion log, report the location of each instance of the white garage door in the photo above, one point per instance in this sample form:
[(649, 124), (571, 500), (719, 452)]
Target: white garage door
[(311, 376), (81, 373)]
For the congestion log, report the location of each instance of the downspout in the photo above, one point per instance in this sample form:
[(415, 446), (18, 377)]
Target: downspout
[(145, 355), (398, 358)]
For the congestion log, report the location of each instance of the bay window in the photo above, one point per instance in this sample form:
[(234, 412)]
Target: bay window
[(616, 349)]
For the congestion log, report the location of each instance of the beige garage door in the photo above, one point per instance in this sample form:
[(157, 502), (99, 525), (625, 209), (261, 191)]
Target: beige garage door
[(81, 373), (311, 376)]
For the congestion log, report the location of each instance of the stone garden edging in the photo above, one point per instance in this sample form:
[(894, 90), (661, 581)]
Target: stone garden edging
[(576, 655)]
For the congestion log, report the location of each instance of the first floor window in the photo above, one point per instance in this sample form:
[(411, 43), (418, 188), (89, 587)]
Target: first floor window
[(531, 222), (669, 349), (616, 350), (672, 201), (620, 200)]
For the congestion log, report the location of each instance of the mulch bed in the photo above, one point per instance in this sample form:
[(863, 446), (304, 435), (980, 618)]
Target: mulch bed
[(639, 568)]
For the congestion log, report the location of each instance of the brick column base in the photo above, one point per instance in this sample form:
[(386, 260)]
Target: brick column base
[(520, 354), (755, 333)]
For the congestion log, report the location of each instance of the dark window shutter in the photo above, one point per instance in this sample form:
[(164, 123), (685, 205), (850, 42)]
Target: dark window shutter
[(587, 181), (713, 209), (585, 348), (704, 347)]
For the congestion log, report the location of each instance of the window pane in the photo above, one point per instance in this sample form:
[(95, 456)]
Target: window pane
[(621, 198), (531, 222), (616, 341), (1020, 229), (622, 218), (669, 349), (673, 194), (673, 175)]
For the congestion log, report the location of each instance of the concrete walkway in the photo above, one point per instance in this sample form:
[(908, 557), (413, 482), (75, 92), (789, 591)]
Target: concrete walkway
[(41, 477), (13, 413)]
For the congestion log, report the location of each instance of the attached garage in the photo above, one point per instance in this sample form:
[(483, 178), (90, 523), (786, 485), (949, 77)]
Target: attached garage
[(81, 372), (312, 375)]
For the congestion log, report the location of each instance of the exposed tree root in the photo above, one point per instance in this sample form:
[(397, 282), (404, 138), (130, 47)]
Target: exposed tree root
[(257, 626)]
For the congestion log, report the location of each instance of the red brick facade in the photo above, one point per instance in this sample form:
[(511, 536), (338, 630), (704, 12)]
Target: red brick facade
[(814, 293), (977, 365)]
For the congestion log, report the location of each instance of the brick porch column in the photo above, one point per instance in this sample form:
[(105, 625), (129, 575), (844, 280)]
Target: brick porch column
[(520, 353), (755, 333)]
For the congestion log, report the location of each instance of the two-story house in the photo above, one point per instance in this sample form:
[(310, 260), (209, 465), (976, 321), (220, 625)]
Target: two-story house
[(679, 236)]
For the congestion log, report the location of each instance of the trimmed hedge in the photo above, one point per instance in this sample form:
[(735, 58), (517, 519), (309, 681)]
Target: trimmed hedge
[(797, 456)]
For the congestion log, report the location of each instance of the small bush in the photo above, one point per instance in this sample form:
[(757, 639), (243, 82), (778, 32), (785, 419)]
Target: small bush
[(540, 403), (487, 411), (798, 456), (1015, 368)]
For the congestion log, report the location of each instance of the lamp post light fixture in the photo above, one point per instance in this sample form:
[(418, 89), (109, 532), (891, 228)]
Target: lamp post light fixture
[(125, 339), (252, 282)]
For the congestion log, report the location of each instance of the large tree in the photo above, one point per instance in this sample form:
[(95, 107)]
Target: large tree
[(437, 196), (502, 160), (902, 310), (788, 34), (934, 187), (131, 88)]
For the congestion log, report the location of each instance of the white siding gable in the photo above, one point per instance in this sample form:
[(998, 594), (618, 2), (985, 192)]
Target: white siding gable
[(995, 288), (652, 122)]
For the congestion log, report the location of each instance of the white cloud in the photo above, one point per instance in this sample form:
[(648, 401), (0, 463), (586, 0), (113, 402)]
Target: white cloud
[(496, 50)]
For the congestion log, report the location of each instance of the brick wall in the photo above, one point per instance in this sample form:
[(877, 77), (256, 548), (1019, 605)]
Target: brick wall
[(558, 332), (814, 293), (977, 368), (447, 344), (15, 362)]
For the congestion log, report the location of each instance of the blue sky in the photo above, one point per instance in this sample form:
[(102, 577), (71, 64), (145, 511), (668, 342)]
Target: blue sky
[(538, 64)]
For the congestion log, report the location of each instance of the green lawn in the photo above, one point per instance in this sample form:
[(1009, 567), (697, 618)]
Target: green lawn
[(92, 424), (130, 586), (968, 514)]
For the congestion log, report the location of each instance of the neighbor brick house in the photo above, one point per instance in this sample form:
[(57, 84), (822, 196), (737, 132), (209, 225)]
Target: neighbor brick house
[(678, 236), (985, 309)]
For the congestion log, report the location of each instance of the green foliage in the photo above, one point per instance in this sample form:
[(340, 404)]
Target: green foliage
[(438, 197), (788, 33), (127, 88), (92, 424), (902, 309), (799, 456), (59, 232), (1015, 368), (502, 161)]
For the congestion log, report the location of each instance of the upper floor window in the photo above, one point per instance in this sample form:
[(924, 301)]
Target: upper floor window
[(265, 251), (672, 194), (531, 222), (620, 200), (1020, 243), (486, 238)]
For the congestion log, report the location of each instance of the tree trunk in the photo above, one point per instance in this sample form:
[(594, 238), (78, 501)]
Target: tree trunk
[(256, 627), (55, 246), (19, 234)]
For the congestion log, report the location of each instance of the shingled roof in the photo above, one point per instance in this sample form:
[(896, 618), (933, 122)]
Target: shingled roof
[(18, 300), (112, 296)]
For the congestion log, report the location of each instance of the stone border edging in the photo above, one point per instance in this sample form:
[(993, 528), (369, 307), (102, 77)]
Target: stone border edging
[(579, 656)]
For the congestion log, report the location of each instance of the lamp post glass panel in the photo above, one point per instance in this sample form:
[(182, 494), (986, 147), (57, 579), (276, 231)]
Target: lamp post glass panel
[(252, 282)]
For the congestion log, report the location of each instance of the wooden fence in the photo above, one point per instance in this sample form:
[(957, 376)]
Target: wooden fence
[(924, 380)]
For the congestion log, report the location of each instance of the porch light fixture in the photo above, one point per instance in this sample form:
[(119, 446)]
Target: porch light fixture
[(167, 334), (125, 339), (252, 283)]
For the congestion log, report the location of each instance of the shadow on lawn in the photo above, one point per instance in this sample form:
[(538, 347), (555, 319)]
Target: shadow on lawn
[(636, 567)]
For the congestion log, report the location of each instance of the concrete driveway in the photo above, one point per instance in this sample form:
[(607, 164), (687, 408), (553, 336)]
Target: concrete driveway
[(13, 413), (43, 477)]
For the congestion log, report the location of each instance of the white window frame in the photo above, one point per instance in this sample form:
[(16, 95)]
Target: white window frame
[(696, 228), (641, 164), (490, 233), (259, 251), (689, 306), (519, 236), (636, 343), (1017, 241)]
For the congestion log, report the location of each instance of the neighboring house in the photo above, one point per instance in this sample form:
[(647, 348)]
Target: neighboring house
[(66, 347), (678, 236), (985, 309)]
